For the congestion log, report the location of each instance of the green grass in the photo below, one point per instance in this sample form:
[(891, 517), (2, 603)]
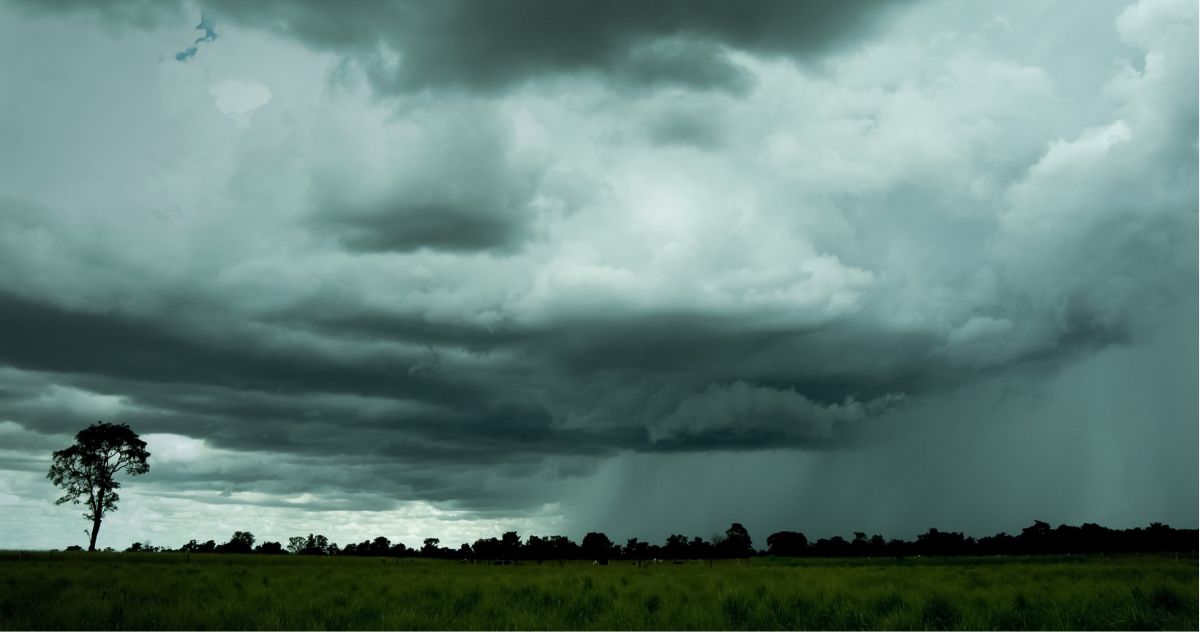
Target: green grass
[(171, 591)]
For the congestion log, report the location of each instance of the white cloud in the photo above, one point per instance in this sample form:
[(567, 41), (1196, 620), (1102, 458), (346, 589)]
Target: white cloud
[(239, 96), (168, 448)]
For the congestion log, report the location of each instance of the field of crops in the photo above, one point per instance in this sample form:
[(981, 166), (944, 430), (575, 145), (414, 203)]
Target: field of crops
[(172, 591)]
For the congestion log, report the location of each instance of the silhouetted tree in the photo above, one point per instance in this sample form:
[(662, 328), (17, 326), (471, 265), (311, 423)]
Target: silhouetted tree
[(896, 548), (936, 542), (487, 549), (560, 547), (1092, 538), (787, 544), (859, 545), (270, 548), (87, 469), (736, 542), (598, 547), (241, 542), (676, 547), (316, 545), (510, 545), (635, 549), (1035, 538), (837, 546), (536, 548), (312, 545), (999, 544), (380, 546)]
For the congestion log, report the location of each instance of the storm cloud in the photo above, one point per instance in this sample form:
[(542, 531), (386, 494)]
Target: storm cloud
[(551, 265), (407, 46)]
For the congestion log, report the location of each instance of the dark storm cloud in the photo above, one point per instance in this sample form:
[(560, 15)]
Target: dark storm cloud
[(376, 324), (828, 362), (406, 229), (644, 369), (230, 388), (679, 61), (490, 46), (679, 381), (40, 336), (16, 437), (248, 397), (695, 383)]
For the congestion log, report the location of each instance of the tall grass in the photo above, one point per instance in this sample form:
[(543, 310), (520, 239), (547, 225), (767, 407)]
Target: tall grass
[(174, 591)]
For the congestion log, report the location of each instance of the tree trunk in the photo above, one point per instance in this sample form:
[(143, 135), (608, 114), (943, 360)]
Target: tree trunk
[(95, 530), (97, 506)]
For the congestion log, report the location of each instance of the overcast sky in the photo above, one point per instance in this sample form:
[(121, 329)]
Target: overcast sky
[(446, 269)]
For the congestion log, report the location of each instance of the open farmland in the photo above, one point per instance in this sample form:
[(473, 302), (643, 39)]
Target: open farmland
[(176, 591)]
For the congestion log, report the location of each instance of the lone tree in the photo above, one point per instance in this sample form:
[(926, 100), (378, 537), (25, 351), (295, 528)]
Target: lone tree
[(87, 469)]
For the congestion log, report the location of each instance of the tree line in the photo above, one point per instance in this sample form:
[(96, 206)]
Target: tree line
[(86, 471), (735, 543)]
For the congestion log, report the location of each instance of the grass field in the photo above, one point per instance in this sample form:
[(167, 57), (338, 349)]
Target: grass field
[(171, 591)]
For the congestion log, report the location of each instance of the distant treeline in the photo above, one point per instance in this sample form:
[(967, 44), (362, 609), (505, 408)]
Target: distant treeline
[(1036, 539)]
